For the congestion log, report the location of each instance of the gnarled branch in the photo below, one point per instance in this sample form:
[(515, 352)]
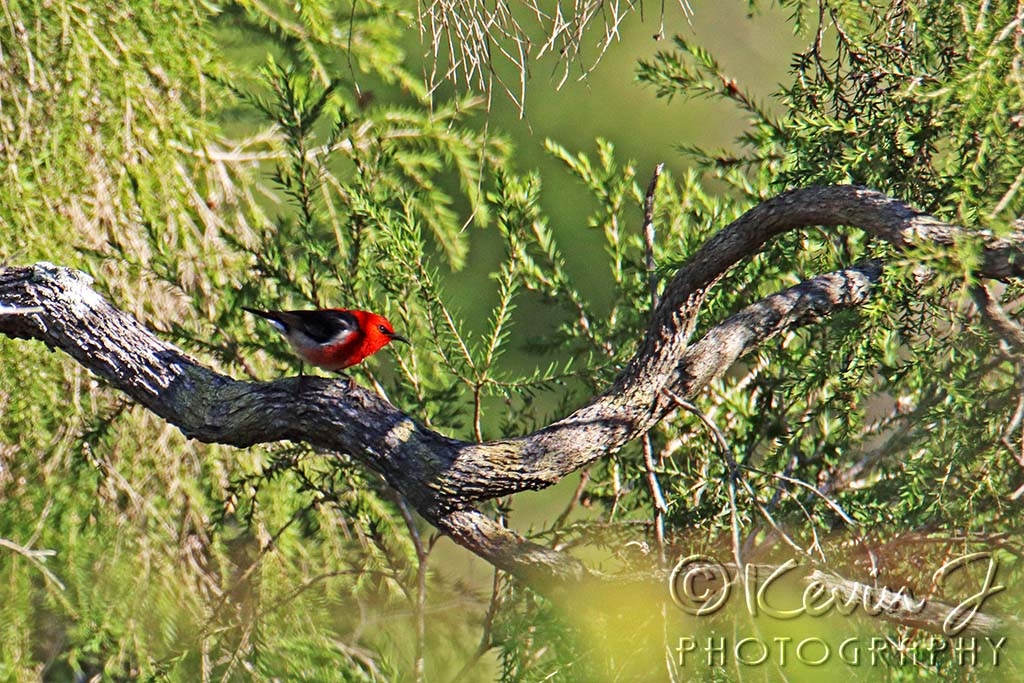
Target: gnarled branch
[(444, 478)]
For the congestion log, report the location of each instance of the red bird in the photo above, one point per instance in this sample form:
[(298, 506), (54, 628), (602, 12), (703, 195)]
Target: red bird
[(332, 338)]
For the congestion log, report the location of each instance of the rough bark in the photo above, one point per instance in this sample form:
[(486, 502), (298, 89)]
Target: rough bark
[(443, 478)]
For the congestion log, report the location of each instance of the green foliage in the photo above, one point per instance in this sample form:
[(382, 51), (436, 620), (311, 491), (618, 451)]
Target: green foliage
[(176, 561), (902, 414), (916, 99), (291, 156), (909, 99)]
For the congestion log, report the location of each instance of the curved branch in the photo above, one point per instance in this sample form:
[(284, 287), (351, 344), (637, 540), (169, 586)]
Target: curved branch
[(444, 478)]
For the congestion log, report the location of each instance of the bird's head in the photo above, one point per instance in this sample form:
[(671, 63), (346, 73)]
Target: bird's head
[(378, 330)]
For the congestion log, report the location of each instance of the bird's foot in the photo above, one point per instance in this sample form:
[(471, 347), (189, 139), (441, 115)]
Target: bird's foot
[(301, 379), (350, 381)]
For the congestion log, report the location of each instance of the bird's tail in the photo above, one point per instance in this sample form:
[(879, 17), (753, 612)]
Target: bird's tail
[(269, 315), (275, 318)]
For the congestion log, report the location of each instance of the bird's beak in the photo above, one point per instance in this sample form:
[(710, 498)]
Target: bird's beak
[(398, 337)]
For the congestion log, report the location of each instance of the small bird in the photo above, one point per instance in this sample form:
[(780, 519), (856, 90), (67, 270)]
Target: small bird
[(332, 338)]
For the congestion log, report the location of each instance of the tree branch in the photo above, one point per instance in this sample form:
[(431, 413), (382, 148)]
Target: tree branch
[(444, 478)]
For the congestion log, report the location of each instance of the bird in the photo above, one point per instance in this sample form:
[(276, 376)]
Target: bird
[(332, 338)]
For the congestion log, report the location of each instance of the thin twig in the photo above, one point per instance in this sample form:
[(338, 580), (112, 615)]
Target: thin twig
[(422, 554), (37, 558), (730, 461), (734, 478), (803, 484), (616, 488), (997, 318), (19, 310), (656, 496), (576, 497), (652, 276), (486, 638)]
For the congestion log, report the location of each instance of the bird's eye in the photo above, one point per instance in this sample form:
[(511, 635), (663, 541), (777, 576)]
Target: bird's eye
[(383, 329)]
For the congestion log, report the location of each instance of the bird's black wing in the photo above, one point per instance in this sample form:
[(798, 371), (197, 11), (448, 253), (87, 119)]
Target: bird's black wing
[(321, 326)]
